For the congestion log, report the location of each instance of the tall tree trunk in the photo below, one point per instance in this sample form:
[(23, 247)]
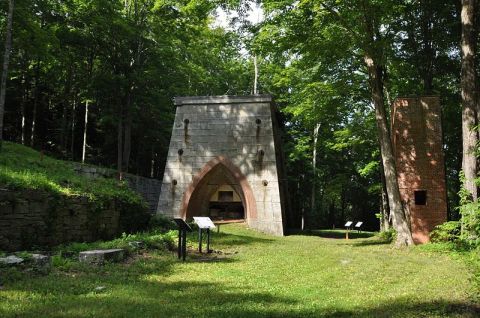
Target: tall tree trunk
[(301, 181), (385, 209), (120, 143), (428, 49), (127, 144), (91, 58), (316, 129), (66, 101), (331, 213), (35, 104), (469, 96), (23, 107), (84, 147), (372, 52), (152, 163), (34, 118), (255, 81), (74, 117), (400, 223), (298, 208), (6, 59)]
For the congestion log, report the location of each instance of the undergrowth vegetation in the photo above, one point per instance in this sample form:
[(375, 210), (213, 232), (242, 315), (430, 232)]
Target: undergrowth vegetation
[(446, 232), (65, 257)]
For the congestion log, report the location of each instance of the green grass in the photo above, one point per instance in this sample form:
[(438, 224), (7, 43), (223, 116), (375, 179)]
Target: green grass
[(257, 276), (23, 168), (338, 234)]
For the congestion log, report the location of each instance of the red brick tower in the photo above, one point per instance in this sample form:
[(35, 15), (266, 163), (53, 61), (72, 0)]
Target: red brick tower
[(417, 146)]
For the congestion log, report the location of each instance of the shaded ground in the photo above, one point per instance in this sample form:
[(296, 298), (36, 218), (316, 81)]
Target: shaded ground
[(336, 234), (256, 275)]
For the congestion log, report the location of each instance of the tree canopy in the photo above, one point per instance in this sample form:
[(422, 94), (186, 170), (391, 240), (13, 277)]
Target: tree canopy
[(334, 68)]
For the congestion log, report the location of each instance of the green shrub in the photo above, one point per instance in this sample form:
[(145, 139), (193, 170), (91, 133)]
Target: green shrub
[(388, 235), (61, 262), (471, 223), (134, 217), (446, 232), (161, 241), (75, 248), (470, 211), (161, 222)]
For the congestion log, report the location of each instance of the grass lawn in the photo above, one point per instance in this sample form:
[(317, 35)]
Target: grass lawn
[(257, 276), (24, 168)]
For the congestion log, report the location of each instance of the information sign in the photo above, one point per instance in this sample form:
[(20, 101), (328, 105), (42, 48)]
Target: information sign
[(182, 225), (183, 228), (204, 222)]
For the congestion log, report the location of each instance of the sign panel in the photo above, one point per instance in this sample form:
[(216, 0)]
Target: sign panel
[(348, 224), (204, 222), (182, 225), (359, 224)]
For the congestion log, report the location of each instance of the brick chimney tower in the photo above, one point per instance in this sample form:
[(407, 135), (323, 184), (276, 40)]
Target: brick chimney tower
[(417, 144)]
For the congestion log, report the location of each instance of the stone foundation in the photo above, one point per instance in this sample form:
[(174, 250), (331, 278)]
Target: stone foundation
[(30, 219)]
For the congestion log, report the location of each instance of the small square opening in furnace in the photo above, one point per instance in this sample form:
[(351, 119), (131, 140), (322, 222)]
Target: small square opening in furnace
[(420, 197)]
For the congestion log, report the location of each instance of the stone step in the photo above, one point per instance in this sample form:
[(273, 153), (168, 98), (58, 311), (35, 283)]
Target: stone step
[(101, 256), (11, 260)]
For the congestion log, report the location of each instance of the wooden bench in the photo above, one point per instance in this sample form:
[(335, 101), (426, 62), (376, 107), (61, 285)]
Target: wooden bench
[(220, 222)]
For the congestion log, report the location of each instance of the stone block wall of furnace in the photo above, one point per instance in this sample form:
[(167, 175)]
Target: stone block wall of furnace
[(232, 131), (417, 142)]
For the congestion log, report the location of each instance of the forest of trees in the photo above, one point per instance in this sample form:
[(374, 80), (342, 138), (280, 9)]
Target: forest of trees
[(102, 73)]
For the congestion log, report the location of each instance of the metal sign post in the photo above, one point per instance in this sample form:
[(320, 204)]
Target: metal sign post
[(348, 225), (183, 228), (204, 223)]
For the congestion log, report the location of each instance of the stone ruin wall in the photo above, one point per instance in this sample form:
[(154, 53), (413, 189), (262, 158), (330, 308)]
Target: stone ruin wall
[(417, 141), (37, 219), (31, 218), (148, 188)]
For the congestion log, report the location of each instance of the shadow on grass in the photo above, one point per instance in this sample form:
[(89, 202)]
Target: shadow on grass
[(140, 290), (195, 256), (405, 308), (155, 297), (229, 240), (334, 234), (371, 242)]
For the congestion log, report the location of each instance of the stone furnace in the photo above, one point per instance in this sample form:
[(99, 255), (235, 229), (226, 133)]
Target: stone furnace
[(225, 162), (417, 142)]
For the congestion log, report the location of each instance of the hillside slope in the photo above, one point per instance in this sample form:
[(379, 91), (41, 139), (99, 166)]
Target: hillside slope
[(44, 202), (24, 168)]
